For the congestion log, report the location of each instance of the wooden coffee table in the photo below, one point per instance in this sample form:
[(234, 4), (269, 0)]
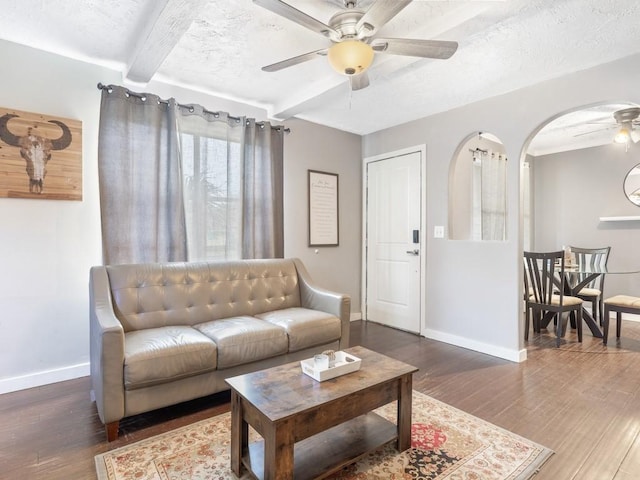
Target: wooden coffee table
[(331, 423)]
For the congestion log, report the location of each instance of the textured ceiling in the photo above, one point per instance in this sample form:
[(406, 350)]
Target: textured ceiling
[(219, 47)]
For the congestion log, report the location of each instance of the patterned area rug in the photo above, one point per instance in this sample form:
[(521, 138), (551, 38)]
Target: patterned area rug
[(446, 443)]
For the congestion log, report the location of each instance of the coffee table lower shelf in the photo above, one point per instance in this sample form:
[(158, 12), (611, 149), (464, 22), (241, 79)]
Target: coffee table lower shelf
[(327, 452)]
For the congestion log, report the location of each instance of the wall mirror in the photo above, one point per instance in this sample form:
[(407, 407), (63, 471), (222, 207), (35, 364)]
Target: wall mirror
[(632, 185), (478, 189)]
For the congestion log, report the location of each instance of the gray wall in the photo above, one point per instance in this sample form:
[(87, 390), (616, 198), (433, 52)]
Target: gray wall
[(315, 147), (48, 246), (473, 289), (572, 190)]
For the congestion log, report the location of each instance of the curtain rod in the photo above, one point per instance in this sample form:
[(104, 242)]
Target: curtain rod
[(478, 150), (101, 86), (486, 152)]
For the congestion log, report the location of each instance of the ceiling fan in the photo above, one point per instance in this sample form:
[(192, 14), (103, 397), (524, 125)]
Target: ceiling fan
[(352, 33), (627, 121)]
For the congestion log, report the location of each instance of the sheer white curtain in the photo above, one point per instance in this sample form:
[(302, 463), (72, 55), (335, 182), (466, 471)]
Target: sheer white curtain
[(232, 184), (476, 196), (494, 198), (489, 196), (180, 183)]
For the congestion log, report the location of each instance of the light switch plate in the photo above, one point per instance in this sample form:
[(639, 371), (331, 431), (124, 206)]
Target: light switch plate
[(438, 231)]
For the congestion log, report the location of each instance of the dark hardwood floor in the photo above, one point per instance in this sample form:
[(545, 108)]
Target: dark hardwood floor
[(582, 401)]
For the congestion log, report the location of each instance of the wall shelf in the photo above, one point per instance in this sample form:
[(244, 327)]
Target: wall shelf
[(620, 219)]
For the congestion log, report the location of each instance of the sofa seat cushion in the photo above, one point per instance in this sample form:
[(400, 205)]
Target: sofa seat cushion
[(244, 339), (306, 328), (160, 355)]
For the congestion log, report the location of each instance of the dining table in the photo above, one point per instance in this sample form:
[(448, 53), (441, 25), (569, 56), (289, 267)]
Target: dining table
[(577, 276)]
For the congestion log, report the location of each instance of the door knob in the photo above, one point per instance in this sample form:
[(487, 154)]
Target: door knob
[(413, 252)]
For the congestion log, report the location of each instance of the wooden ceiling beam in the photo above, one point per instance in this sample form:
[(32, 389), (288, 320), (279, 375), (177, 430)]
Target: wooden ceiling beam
[(166, 24)]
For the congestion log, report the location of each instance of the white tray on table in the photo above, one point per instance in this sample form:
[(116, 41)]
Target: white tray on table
[(345, 363)]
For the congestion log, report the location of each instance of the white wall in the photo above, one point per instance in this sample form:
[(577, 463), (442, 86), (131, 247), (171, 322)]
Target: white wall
[(473, 289), (47, 246)]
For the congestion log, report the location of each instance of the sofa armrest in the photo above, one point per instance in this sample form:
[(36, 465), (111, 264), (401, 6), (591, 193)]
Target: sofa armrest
[(317, 298), (106, 349)]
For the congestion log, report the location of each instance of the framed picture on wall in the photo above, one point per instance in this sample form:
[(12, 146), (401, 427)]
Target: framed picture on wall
[(323, 209), (40, 156)]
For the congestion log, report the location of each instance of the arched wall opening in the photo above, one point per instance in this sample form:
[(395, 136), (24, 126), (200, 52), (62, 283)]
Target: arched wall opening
[(477, 189), (572, 179)]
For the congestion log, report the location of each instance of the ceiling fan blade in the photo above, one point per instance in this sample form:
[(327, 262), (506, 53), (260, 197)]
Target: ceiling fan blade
[(358, 82), (380, 13), (290, 62), (413, 47), (291, 13), (595, 131)]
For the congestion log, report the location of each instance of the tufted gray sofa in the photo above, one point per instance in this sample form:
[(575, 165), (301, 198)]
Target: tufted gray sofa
[(166, 333)]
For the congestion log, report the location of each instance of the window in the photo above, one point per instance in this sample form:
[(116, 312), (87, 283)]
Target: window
[(181, 183), (212, 193)]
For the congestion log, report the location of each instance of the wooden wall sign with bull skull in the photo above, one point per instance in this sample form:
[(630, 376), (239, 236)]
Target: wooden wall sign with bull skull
[(40, 156)]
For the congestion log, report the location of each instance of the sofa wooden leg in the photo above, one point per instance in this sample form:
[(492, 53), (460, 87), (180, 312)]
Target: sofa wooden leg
[(112, 430)]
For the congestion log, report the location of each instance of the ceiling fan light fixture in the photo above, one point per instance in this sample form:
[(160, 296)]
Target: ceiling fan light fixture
[(350, 57), (622, 136)]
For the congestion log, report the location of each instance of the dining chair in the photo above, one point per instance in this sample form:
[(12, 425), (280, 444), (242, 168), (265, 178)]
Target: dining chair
[(592, 292), (542, 271), (619, 304)]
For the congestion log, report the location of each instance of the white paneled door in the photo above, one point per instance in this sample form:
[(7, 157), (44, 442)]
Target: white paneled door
[(393, 240)]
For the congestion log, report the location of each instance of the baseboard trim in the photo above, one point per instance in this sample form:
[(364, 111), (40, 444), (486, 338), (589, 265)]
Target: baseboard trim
[(355, 316), (516, 356), (46, 377)]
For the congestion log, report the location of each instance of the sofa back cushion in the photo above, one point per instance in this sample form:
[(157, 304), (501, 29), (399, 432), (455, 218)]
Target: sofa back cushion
[(162, 294)]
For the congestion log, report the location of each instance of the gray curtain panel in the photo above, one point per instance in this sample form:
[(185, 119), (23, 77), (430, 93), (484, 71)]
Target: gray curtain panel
[(178, 182), (262, 213), (140, 179)]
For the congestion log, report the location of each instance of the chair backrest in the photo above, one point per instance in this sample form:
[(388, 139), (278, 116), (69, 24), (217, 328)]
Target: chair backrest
[(594, 257), (542, 271)]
